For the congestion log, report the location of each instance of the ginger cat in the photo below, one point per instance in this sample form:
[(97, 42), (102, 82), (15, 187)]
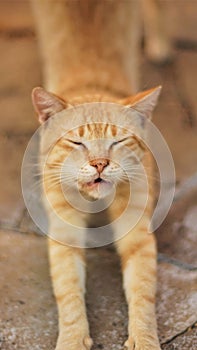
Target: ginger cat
[(90, 53)]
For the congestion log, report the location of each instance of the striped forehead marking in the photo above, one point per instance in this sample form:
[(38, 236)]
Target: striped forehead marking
[(97, 130)]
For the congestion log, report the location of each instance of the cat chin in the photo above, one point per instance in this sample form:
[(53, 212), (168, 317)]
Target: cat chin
[(98, 190)]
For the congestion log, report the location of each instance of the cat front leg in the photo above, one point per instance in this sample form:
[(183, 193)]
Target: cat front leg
[(138, 257), (67, 266)]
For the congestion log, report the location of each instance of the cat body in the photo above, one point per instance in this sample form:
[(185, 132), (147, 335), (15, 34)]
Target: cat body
[(90, 55)]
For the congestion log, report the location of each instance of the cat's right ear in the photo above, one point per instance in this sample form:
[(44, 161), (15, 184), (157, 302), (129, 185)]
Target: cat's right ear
[(46, 104)]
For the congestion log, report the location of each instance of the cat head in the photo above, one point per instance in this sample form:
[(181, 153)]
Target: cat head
[(96, 156)]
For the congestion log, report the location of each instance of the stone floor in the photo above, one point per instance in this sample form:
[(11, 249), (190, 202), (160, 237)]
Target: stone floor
[(28, 318)]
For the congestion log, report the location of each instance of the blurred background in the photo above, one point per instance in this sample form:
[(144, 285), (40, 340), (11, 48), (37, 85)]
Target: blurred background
[(28, 313)]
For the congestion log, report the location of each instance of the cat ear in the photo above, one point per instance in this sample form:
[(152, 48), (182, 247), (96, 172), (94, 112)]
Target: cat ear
[(144, 102), (46, 104)]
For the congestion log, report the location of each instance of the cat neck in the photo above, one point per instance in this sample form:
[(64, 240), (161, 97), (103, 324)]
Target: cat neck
[(89, 94)]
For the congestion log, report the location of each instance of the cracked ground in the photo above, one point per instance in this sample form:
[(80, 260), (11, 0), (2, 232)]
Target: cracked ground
[(28, 318)]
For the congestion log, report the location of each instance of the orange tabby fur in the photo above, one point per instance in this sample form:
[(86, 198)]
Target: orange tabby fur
[(90, 53)]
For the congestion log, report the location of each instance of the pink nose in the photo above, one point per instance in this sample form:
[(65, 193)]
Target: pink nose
[(99, 164)]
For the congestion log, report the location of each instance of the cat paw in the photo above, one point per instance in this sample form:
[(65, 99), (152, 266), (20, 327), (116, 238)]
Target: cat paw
[(85, 344), (130, 344), (88, 342)]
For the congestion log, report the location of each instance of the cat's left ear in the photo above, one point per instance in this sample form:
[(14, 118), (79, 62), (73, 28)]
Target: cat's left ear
[(144, 102), (46, 104)]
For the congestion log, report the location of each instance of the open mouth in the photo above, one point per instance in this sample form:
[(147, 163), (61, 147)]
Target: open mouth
[(98, 180), (95, 182)]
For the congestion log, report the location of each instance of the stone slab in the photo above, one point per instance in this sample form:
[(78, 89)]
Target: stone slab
[(28, 311), (187, 340), (177, 235), (177, 297)]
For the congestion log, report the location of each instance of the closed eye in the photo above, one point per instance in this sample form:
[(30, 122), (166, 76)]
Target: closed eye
[(76, 142), (119, 141)]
